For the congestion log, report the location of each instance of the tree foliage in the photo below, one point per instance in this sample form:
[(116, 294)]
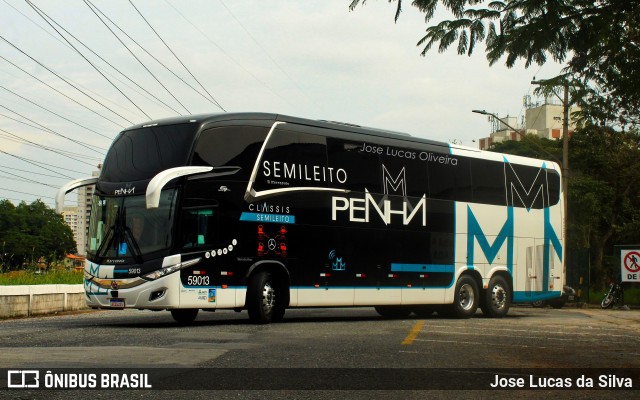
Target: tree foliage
[(531, 146), (30, 232), (598, 40), (604, 197)]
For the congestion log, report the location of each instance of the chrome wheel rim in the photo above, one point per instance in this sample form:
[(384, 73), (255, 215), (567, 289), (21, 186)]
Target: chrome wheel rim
[(498, 297), (268, 298), (467, 297)]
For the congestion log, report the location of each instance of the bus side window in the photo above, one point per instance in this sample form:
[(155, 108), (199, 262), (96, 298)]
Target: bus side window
[(488, 182), (199, 227), (450, 181)]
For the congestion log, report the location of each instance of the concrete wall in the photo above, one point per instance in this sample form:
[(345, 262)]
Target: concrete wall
[(27, 300)]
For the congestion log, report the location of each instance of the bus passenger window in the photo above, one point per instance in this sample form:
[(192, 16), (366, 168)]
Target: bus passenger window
[(450, 180), (199, 227), (488, 182)]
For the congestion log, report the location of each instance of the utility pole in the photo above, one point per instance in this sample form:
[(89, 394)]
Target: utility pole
[(565, 147), (565, 150), (565, 161)]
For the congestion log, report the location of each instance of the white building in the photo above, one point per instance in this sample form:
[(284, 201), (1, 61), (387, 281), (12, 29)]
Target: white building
[(78, 217), (71, 217), (544, 119)]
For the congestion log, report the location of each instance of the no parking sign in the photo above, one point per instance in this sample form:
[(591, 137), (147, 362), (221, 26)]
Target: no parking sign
[(630, 265)]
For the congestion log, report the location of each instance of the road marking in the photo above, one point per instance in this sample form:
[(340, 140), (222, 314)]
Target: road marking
[(413, 333), (589, 333)]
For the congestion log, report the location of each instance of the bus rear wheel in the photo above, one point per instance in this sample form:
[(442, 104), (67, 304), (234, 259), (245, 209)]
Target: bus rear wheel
[(184, 316), (497, 298), (465, 299), (264, 299)]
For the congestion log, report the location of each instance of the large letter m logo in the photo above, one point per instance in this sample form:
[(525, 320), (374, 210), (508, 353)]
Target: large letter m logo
[(490, 251), (399, 183), (526, 187)]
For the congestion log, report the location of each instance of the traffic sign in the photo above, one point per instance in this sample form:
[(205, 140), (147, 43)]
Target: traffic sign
[(630, 265)]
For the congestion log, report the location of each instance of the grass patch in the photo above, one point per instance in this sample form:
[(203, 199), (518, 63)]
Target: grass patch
[(47, 278)]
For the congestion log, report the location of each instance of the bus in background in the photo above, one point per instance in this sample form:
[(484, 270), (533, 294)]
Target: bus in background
[(266, 212)]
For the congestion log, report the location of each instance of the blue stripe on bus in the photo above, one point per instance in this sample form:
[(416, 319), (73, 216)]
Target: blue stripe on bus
[(421, 268), (381, 288), (275, 218), (528, 297), (328, 287)]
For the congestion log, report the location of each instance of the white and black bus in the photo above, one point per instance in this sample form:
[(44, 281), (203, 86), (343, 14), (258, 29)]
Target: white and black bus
[(266, 212)]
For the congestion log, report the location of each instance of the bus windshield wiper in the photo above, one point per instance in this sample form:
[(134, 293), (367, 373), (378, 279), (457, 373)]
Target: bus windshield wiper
[(135, 249), (108, 238)]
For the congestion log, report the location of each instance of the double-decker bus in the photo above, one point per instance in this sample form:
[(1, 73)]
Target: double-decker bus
[(266, 212)]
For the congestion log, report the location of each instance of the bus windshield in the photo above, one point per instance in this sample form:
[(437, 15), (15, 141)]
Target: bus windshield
[(122, 227)]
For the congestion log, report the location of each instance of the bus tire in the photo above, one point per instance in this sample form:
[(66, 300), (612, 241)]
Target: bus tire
[(184, 316), (465, 299), (264, 300), (393, 311), (497, 298)]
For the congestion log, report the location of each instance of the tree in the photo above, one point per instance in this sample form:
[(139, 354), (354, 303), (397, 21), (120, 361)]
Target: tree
[(531, 146), (604, 194), (33, 231), (599, 41)]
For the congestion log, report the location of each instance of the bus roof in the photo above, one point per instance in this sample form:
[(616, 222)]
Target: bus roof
[(203, 119)]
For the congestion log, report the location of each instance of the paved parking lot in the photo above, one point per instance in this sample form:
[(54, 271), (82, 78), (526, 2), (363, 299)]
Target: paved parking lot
[(321, 340)]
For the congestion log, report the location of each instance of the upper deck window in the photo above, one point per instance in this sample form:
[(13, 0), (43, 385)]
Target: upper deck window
[(230, 146), (139, 154)]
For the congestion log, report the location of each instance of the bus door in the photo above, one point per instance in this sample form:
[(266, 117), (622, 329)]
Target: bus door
[(201, 235), (534, 265)]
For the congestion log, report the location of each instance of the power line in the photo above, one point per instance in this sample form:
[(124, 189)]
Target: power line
[(91, 7), (229, 56), (46, 129), (31, 172), (36, 163), (40, 12), (265, 51), (62, 78), (30, 194), (63, 153), (211, 100), (54, 113), (24, 179), (151, 98), (59, 92), (177, 58)]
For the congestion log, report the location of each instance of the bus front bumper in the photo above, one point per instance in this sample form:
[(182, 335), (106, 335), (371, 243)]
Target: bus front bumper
[(136, 293)]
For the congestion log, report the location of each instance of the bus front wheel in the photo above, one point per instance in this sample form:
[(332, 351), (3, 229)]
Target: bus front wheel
[(264, 299)]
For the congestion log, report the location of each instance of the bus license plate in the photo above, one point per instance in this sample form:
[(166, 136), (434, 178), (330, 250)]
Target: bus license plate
[(116, 303)]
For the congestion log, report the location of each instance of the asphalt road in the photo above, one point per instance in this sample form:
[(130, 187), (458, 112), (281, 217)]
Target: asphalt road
[(310, 343)]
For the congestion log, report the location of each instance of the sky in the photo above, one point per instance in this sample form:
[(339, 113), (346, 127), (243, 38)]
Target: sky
[(314, 59)]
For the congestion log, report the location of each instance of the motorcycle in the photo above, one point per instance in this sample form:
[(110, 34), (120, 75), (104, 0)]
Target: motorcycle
[(614, 296)]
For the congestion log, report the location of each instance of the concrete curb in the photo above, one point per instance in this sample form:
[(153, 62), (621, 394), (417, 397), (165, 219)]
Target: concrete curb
[(28, 300)]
